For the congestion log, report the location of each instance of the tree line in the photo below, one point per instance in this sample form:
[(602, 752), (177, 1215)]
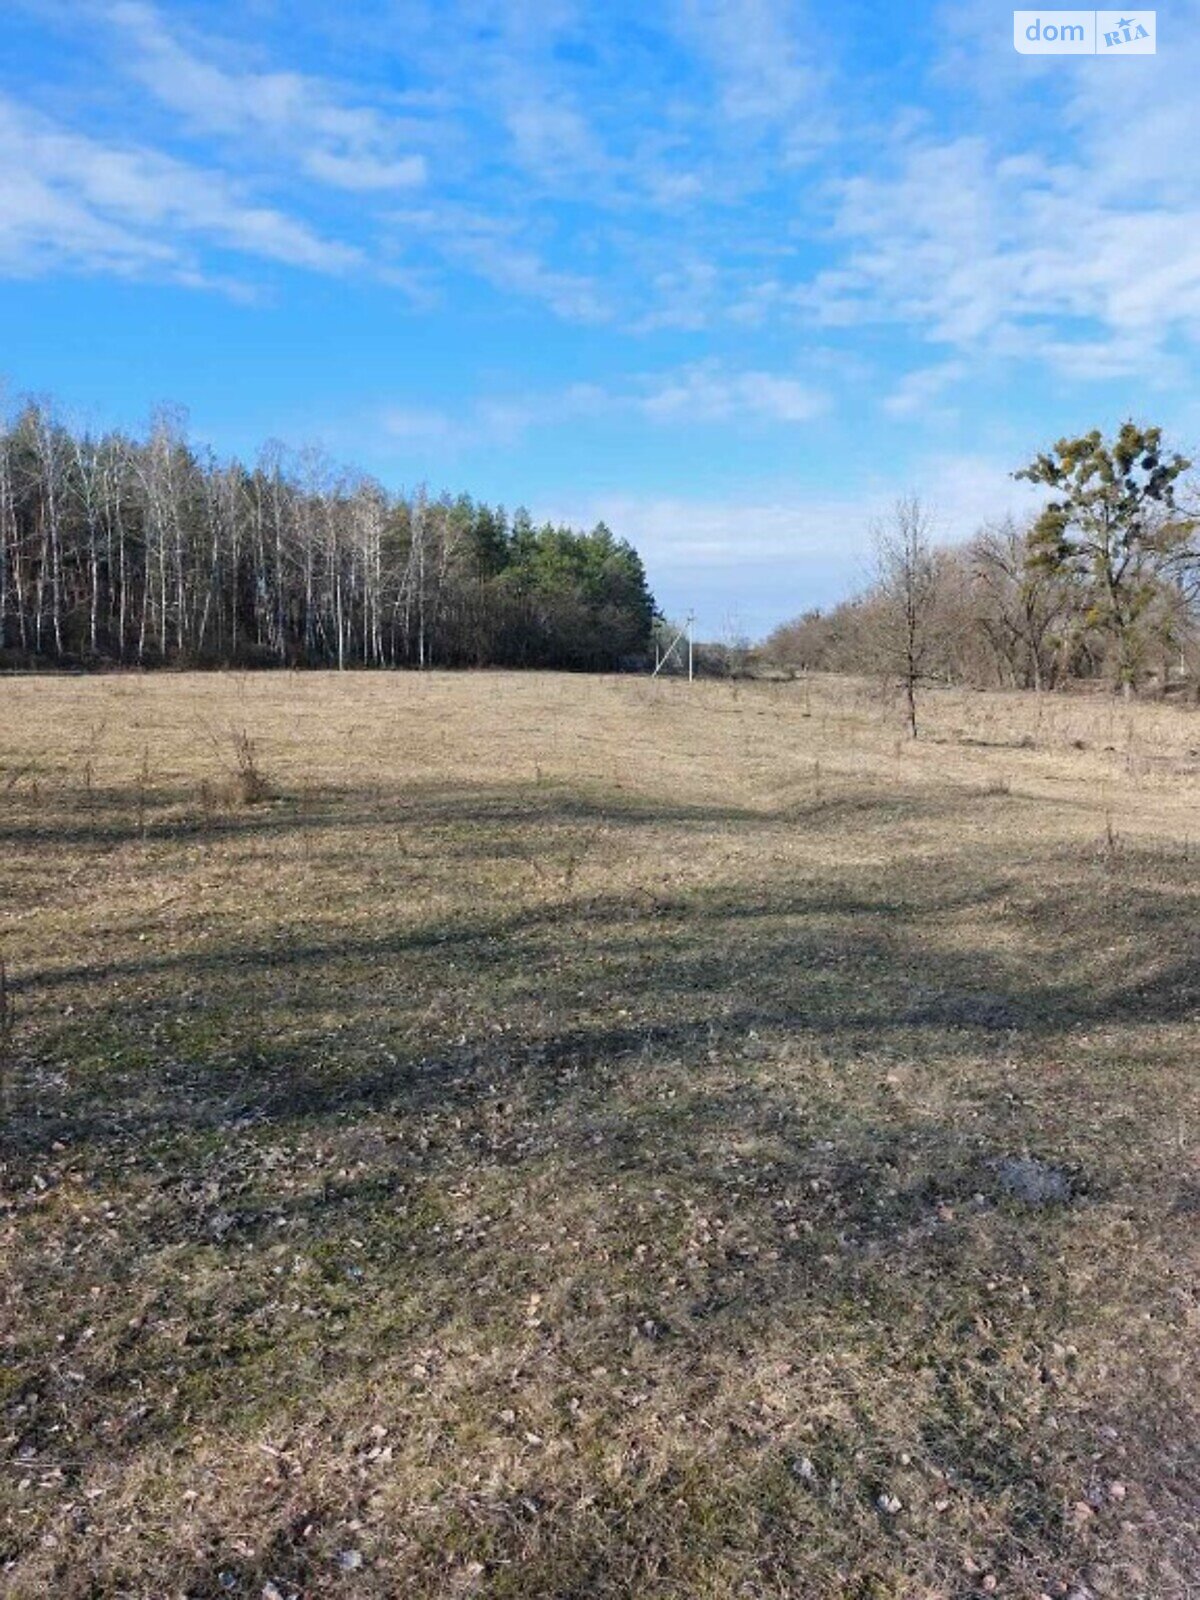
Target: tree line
[(1101, 584), (149, 551)]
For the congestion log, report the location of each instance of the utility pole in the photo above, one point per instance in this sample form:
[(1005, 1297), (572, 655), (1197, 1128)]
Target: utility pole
[(663, 656)]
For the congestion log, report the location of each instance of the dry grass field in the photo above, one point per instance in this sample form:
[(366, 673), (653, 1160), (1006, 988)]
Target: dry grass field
[(532, 1136)]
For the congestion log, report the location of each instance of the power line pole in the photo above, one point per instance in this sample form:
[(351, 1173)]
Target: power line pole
[(663, 656)]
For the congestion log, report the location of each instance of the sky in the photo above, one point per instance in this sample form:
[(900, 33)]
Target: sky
[(731, 275)]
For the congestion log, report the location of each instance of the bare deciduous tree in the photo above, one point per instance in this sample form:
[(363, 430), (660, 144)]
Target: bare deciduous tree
[(1023, 604), (906, 593)]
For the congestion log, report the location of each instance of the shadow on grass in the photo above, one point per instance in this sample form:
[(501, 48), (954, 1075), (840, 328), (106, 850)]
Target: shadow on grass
[(677, 1114), (169, 813)]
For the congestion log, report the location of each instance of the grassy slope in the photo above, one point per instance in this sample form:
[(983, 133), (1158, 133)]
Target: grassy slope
[(550, 1148)]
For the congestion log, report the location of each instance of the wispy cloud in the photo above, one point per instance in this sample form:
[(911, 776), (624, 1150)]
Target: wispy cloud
[(961, 491), (69, 200), (767, 71), (681, 398), (922, 388), (302, 118), (493, 248), (683, 201), (707, 392), (766, 558), (553, 141), (498, 420), (1063, 260)]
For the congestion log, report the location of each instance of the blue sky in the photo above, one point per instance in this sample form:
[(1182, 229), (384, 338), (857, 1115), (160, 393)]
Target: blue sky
[(729, 275)]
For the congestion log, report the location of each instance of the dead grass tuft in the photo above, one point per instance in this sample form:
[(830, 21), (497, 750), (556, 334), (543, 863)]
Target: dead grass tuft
[(249, 784)]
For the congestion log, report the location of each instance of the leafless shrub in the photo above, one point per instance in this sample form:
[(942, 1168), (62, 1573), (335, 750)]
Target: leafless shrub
[(560, 872), (1112, 844), (87, 756), (249, 783), (244, 782)]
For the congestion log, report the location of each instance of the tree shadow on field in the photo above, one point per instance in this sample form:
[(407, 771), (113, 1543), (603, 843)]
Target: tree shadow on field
[(679, 1141), (785, 1217), (869, 956), (834, 1206), (463, 816)]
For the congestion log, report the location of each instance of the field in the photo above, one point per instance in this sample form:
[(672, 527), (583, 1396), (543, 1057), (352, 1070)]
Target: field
[(534, 1136)]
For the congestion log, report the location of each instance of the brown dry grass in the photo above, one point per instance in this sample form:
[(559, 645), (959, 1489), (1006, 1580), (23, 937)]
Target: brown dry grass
[(544, 1139)]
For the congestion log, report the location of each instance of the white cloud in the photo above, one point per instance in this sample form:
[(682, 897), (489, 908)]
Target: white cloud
[(482, 424), (493, 248), (920, 389), (1086, 261), (961, 491), (685, 397), (553, 140), (765, 71), (686, 296), (707, 392), (490, 421), (69, 200), (768, 559), (347, 147), (422, 426), (1058, 226), (363, 173)]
